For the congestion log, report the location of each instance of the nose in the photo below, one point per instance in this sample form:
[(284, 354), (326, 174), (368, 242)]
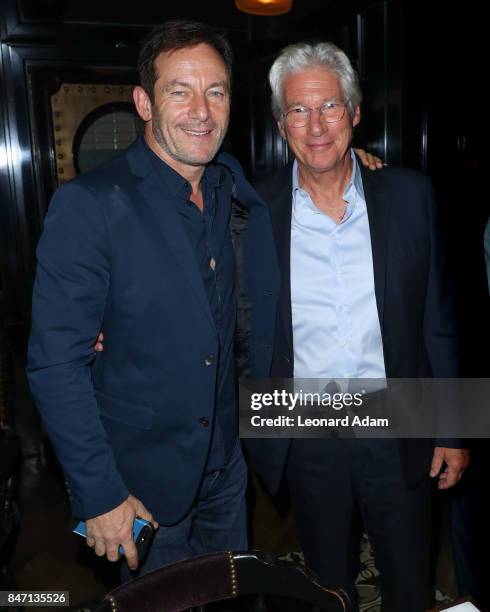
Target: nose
[(316, 124), (199, 108)]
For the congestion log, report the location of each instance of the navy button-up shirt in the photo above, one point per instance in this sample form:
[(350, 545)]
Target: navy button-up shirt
[(210, 240)]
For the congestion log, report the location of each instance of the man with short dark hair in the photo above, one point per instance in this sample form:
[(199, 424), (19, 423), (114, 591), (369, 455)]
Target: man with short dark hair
[(140, 247)]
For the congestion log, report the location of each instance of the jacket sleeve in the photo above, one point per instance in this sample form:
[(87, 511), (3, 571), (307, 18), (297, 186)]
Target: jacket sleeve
[(441, 329), (70, 292)]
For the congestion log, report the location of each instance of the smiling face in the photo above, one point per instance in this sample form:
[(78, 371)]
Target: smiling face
[(318, 146), (188, 118)]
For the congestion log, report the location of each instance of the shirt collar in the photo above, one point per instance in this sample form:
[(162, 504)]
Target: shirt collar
[(295, 176), (354, 188), (177, 184)]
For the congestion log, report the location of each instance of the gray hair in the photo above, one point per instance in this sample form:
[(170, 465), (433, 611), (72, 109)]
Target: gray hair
[(300, 56)]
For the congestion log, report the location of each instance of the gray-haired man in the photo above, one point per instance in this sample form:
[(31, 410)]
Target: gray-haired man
[(364, 295)]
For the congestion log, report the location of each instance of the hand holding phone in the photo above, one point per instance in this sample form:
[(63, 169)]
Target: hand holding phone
[(108, 531), (143, 533)]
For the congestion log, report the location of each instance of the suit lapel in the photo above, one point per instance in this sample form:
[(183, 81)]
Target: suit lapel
[(280, 205), (165, 221), (378, 203)]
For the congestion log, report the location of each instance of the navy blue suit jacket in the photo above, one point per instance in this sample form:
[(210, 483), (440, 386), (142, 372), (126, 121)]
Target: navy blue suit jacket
[(114, 256), (414, 297)]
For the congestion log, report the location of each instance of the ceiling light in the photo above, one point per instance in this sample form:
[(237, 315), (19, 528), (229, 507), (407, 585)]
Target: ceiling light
[(264, 7)]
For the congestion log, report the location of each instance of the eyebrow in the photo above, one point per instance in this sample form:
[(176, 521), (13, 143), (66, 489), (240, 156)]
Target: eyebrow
[(224, 84), (325, 101), (176, 82)]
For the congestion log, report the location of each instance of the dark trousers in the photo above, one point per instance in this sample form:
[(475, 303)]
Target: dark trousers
[(333, 483), (471, 538), (216, 522)]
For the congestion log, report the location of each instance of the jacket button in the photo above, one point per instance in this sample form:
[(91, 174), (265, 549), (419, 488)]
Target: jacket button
[(204, 422), (68, 489), (208, 360), (287, 359)]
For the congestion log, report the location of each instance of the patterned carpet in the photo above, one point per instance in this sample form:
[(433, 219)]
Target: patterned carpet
[(367, 581)]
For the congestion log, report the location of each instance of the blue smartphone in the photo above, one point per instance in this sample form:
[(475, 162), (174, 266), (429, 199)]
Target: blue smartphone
[(143, 533)]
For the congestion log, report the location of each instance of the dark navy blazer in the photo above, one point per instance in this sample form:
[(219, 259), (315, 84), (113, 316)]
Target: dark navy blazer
[(114, 256)]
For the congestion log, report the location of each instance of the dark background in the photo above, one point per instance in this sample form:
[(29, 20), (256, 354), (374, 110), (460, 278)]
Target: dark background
[(422, 69)]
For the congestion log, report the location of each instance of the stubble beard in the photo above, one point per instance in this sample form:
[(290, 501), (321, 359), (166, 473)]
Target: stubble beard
[(175, 153)]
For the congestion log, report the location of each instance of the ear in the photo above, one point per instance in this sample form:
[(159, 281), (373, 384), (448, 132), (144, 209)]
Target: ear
[(357, 116), (142, 102), (281, 129)]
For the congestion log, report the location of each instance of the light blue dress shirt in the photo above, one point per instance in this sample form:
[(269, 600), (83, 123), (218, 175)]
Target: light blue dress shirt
[(336, 330)]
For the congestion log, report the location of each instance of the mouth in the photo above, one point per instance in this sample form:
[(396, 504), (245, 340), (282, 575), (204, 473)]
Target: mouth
[(196, 133), (320, 145)]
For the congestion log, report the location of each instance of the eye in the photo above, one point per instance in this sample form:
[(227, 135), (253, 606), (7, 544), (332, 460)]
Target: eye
[(178, 93), (331, 105), (218, 94), (298, 110)]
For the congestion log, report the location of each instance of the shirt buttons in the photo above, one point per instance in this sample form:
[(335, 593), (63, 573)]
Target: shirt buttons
[(208, 360), (204, 422)]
